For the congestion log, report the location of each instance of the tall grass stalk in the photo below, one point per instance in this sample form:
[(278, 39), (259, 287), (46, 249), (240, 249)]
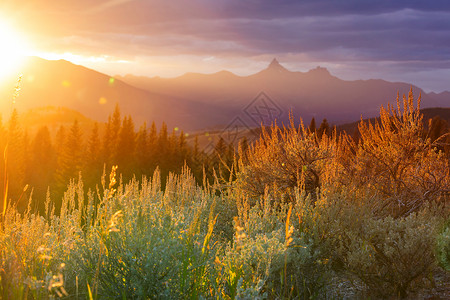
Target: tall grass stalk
[(5, 182)]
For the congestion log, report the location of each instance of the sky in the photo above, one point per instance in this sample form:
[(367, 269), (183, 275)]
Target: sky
[(399, 40)]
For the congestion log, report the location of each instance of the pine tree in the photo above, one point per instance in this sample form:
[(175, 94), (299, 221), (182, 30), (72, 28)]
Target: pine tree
[(324, 128), (15, 157), (75, 147), (196, 147), (439, 134), (107, 145), (436, 128), (93, 149), (93, 164), (142, 151), (162, 152), (60, 140), (221, 147), (173, 155), (42, 165), (124, 156), (195, 161), (219, 159), (116, 122), (70, 160), (183, 148), (312, 126), (152, 149), (242, 150)]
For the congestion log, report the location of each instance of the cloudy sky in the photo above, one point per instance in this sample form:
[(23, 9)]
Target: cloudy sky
[(355, 39)]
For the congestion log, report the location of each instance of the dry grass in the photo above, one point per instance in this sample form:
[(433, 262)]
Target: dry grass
[(306, 218)]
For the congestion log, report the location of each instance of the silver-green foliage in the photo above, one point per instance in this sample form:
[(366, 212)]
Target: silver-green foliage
[(148, 244), (390, 256), (272, 258), (443, 247)]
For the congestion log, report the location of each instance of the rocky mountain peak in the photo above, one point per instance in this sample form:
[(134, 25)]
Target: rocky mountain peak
[(276, 66)]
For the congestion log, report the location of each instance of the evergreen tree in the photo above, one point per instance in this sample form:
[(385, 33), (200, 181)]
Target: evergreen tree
[(125, 148), (243, 149), (439, 134), (173, 155), (324, 128), (15, 158), (107, 145), (163, 143), (60, 140), (142, 151), (183, 148), (152, 149), (70, 160), (111, 137), (195, 161), (42, 165), (221, 147), (219, 159), (356, 136), (93, 165), (75, 147), (93, 149), (196, 147), (162, 151), (436, 128), (312, 125), (116, 122)]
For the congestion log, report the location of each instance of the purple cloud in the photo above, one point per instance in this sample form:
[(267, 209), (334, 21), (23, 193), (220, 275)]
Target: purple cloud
[(410, 35)]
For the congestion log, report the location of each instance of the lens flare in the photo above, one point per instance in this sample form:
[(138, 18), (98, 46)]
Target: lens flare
[(13, 50)]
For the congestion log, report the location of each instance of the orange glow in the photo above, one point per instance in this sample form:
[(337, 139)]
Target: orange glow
[(13, 50)]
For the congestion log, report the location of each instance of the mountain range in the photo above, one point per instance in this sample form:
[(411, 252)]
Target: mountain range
[(197, 101)]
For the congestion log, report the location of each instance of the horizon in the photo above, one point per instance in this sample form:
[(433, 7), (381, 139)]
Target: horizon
[(267, 66), (398, 42)]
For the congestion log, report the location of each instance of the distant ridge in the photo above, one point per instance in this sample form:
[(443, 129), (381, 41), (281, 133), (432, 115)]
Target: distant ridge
[(428, 113), (315, 93), (276, 66), (196, 101)]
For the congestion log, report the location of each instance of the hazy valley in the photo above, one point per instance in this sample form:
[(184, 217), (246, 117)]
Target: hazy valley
[(198, 102)]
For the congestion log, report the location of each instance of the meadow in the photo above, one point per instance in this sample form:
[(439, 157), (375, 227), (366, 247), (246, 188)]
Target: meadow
[(299, 215)]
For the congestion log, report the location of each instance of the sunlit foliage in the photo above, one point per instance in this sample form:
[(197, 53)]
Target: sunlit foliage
[(308, 216)]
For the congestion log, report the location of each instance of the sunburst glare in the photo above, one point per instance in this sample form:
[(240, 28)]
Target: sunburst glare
[(13, 49)]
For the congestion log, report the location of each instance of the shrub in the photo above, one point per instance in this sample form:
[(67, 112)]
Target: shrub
[(303, 209), (284, 159), (149, 244), (390, 256), (271, 258), (396, 163), (443, 247), (29, 261)]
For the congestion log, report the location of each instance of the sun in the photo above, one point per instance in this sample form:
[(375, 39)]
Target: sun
[(13, 50)]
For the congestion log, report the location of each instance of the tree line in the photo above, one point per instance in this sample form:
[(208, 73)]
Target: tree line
[(41, 164)]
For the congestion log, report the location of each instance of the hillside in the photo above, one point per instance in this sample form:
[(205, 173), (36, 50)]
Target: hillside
[(428, 113), (63, 84), (212, 101), (54, 117), (315, 93)]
